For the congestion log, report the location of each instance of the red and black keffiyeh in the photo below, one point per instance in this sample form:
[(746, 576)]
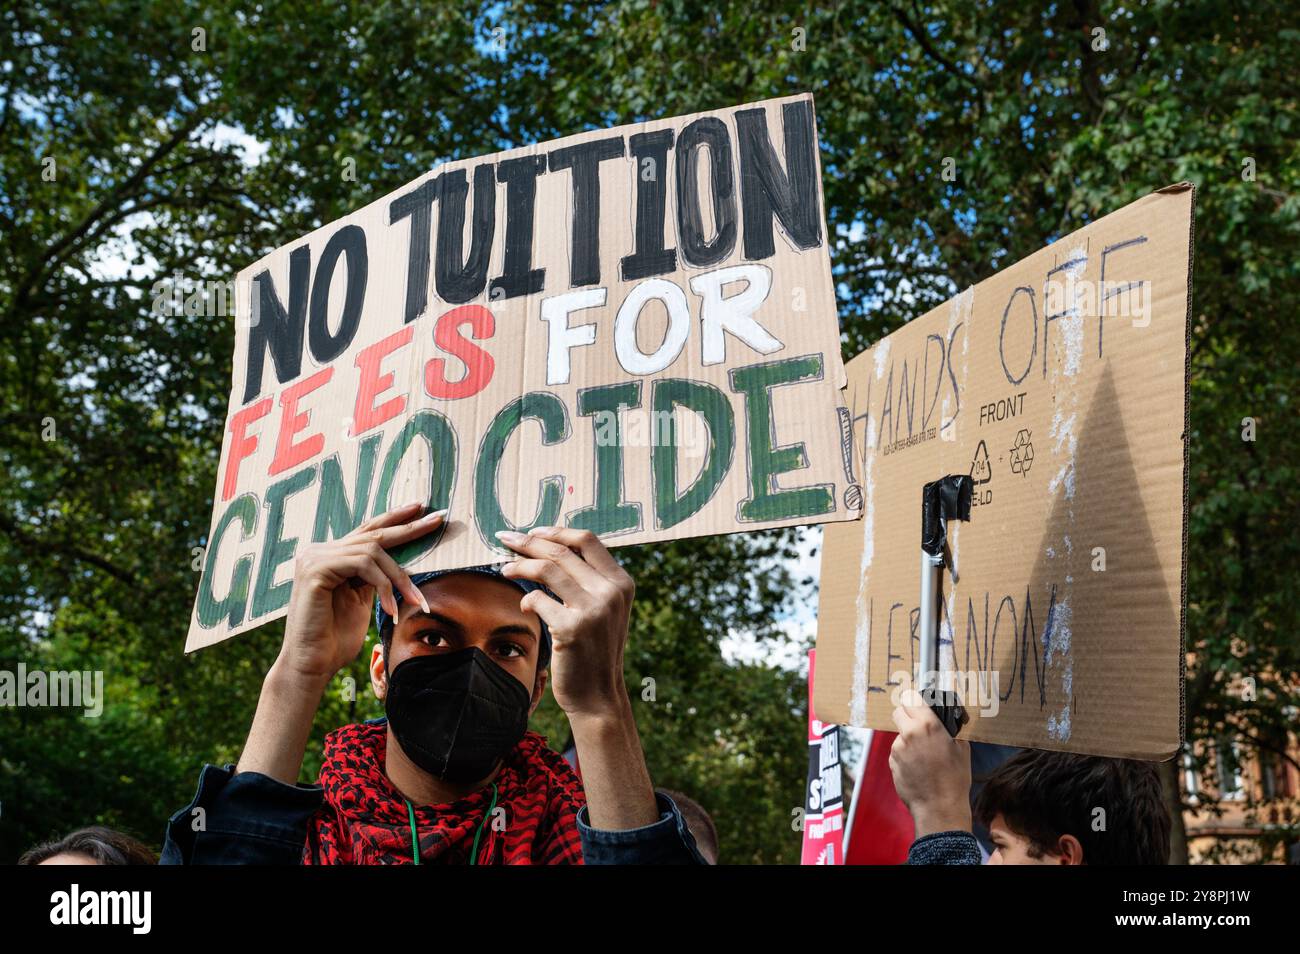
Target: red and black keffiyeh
[(364, 819)]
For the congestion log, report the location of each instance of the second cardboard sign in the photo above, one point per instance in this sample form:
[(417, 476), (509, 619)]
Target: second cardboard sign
[(1060, 386)]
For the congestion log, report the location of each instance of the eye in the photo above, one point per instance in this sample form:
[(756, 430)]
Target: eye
[(433, 639), (511, 650)]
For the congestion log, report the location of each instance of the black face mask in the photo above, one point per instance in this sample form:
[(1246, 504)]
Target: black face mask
[(456, 715)]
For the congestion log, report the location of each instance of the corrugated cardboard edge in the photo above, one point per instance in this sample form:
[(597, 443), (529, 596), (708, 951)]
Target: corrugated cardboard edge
[(1187, 430)]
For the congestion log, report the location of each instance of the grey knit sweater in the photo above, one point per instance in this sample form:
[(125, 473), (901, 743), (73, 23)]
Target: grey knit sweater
[(945, 848)]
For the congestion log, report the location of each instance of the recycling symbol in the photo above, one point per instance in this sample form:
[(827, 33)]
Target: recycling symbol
[(981, 471), (1022, 453)]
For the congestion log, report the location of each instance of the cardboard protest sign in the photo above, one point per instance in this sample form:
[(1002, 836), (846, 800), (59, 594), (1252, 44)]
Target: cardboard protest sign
[(631, 331), (1060, 386)]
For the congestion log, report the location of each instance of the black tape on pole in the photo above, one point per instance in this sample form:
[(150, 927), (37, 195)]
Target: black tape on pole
[(947, 498)]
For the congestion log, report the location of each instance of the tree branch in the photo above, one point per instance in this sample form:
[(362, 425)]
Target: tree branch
[(35, 544), (917, 33), (110, 201)]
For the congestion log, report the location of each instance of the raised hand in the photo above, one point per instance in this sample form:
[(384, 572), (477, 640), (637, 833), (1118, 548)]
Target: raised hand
[(589, 628), (334, 586)]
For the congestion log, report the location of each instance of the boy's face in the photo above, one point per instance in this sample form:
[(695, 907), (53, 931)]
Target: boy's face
[(466, 610), (1012, 848)]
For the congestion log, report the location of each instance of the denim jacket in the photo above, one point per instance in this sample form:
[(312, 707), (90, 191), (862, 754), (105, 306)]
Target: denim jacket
[(250, 818)]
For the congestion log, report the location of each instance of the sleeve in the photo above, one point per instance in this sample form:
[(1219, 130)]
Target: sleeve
[(945, 848), (245, 818), (666, 842)]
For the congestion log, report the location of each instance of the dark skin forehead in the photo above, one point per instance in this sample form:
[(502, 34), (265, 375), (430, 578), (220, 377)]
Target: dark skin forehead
[(470, 609)]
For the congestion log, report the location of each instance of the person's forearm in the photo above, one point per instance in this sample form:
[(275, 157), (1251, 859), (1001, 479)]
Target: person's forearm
[(932, 819), (620, 795), (277, 740)]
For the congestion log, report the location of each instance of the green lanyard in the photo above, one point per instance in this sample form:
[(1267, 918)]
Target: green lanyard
[(473, 857)]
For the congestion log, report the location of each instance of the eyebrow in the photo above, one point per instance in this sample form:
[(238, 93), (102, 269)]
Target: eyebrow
[(437, 618), (509, 629)]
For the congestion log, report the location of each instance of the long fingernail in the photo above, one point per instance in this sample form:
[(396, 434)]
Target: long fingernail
[(543, 531), (436, 515), (413, 504), (423, 602), (510, 536)]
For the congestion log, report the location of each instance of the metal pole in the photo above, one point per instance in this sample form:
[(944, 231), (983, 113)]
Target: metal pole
[(928, 678)]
